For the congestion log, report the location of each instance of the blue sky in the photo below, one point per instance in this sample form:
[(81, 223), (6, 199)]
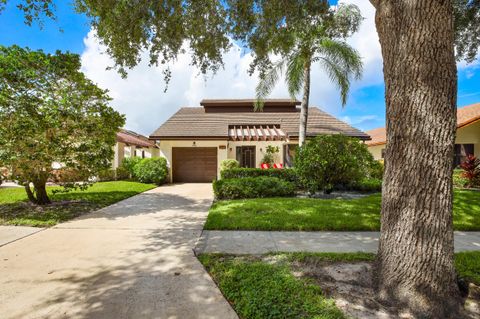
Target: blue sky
[(146, 107)]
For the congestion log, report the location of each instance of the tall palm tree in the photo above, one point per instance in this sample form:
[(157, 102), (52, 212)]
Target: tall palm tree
[(338, 60)]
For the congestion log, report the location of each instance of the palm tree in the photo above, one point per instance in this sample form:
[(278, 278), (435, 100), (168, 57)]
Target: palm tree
[(339, 60)]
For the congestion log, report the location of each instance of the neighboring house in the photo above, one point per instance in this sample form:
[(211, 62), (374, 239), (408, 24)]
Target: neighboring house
[(131, 144), (196, 139), (467, 141)]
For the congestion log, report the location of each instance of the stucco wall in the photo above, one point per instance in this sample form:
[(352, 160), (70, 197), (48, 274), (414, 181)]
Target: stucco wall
[(166, 150), (376, 151), (470, 134)]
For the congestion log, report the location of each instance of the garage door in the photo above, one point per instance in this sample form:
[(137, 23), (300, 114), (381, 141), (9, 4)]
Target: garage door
[(194, 164)]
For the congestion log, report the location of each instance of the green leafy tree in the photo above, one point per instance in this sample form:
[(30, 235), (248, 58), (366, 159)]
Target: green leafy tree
[(51, 114), (312, 35)]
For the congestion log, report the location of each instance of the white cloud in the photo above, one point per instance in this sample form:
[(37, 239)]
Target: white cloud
[(140, 96)]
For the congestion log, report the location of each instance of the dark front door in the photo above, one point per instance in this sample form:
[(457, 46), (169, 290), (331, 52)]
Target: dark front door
[(246, 156)]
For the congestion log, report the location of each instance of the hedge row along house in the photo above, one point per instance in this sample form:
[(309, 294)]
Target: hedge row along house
[(467, 140), (196, 139)]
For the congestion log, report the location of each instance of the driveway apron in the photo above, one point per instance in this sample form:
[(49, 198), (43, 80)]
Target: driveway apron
[(133, 259)]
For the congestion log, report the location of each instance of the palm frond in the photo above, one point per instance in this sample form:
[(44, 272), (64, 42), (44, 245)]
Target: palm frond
[(341, 62), (295, 74), (267, 83), (338, 76)]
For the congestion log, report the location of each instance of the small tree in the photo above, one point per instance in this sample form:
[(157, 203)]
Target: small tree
[(471, 170), (330, 160), (51, 113)]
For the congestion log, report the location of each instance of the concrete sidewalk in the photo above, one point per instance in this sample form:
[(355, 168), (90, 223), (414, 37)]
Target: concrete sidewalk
[(9, 234), (133, 259), (261, 242)]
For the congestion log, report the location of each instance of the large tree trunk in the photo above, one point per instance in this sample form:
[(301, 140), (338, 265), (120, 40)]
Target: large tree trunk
[(302, 132), (415, 258)]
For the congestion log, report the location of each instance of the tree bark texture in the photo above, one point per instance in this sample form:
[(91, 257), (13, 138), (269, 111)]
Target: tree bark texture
[(415, 259), (302, 132), (41, 193)]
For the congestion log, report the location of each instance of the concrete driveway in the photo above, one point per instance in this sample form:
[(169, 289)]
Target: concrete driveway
[(133, 259)]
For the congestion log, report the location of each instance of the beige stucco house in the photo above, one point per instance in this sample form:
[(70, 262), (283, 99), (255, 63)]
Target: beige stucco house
[(196, 139), (467, 141), (131, 144)]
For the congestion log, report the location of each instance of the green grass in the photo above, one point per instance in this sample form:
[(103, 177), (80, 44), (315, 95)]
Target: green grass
[(309, 214), (265, 287), (468, 266), (15, 209), (257, 289)]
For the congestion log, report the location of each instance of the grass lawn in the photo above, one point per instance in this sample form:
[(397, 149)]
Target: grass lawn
[(310, 214), (16, 210), (266, 287)]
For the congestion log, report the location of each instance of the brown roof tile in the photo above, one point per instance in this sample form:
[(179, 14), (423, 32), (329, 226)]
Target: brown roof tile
[(465, 115), (195, 122), (132, 138)]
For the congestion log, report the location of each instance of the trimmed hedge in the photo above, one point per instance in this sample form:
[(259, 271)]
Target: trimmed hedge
[(367, 185), (286, 174), (252, 187)]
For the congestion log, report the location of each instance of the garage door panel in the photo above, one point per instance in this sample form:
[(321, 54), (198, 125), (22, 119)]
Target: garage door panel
[(194, 164)]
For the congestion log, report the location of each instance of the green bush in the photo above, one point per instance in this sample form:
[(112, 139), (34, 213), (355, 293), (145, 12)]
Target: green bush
[(459, 180), (129, 163), (329, 160), (229, 164), (286, 174), (367, 185), (151, 170), (106, 175), (122, 174), (252, 187), (375, 169)]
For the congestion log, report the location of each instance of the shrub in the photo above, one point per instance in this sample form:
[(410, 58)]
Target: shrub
[(286, 174), (151, 170), (375, 169), (129, 163), (471, 170), (229, 164), (458, 180), (367, 185), (122, 174), (106, 175), (252, 187), (329, 160)]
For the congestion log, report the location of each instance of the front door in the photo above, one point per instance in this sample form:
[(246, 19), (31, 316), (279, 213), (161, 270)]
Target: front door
[(246, 156)]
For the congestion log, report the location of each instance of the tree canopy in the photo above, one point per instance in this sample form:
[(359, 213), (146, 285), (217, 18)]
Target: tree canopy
[(51, 114)]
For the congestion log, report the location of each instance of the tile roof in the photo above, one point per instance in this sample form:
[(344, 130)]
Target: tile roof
[(465, 115), (195, 122), (132, 138)]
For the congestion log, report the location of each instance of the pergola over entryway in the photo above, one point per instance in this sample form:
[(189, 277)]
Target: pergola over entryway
[(263, 132)]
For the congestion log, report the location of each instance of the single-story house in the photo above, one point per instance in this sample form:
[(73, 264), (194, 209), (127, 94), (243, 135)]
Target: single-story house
[(131, 144), (467, 141), (196, 139)]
